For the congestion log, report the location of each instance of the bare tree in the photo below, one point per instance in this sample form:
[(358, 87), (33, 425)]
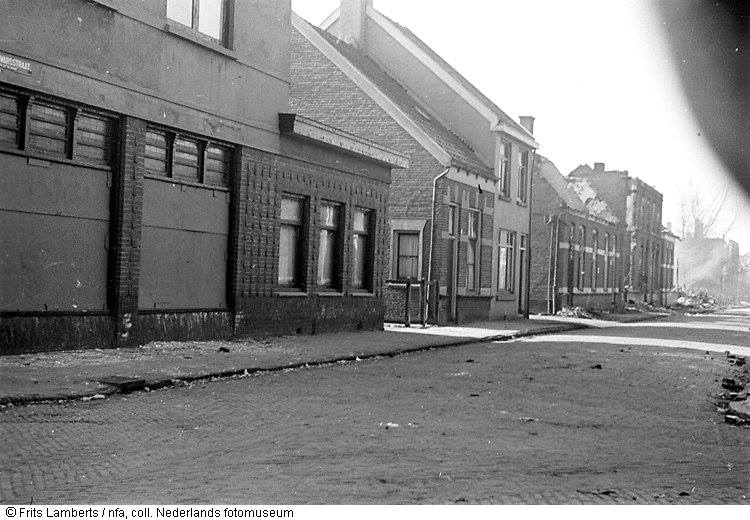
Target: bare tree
[(699, 218)]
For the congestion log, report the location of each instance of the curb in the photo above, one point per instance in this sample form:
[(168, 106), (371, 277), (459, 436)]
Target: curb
[(156, 384)]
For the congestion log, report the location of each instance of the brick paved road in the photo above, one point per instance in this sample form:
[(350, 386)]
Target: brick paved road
[(514, 422)]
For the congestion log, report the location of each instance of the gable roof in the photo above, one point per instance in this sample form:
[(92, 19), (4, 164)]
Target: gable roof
[(462, 86), (396, 101), (577, 194)]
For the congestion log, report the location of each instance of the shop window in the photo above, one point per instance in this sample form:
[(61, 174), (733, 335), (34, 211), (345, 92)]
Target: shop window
[(290, 241), (407, 255), (329, 246), (361, 244)]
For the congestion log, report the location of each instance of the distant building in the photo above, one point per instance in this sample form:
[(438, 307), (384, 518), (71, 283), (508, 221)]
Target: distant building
[(639, 206), (459, 214), (712, 265), (153, 185), (575, 259)]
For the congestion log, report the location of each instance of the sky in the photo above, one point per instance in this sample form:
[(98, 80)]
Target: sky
[(597, 76)]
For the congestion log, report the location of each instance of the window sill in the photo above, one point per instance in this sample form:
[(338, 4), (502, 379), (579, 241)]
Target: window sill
[(362, 295), (172, 180), (329, 294), (194, 36), (40, 159), (291, 294)]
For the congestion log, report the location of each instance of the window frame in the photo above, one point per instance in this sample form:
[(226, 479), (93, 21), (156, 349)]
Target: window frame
[(203, 145), (335, 283), (397, 257), (473, 224), (522, 194), (368, 258), (504, 172), (506, 275), (300, 267), (73, 113), (194, 26), (581, 281)]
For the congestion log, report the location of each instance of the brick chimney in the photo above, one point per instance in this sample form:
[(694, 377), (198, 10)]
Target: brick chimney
[(528, 123), (353, 20), (599, 167)]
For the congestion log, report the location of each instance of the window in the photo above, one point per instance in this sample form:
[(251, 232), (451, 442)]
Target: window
[(523, 172), (452, 215), (290, 241), (361, 270), (581, 257), (613, 260), (328, 250), (471, 251), (607, 256), (505, 263), (187, 158), (48, 129), (522, 245), (57, 129), (205, 16), (407, 255), (504, 172), (10, 120), (594, 259)]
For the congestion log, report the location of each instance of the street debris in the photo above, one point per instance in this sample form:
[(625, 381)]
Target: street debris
[(575, 312), (92, 397), (732, 384), (598, 366), (223, 349)]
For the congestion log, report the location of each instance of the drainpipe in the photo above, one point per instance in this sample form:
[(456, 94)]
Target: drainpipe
[(528, 236), (432, 242)]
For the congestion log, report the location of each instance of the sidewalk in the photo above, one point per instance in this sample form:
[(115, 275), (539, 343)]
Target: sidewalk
[(79, 374)]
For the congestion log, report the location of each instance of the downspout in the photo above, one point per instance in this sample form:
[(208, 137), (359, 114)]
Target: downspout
[(432, 242), (528, 237), (555, 289)]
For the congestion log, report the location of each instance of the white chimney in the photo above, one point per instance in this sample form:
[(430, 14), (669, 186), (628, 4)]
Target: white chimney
[(353, 21)]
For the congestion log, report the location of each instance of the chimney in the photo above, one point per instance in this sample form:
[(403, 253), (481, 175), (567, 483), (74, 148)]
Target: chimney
[(353, 20), (599, 167), (528, 123)]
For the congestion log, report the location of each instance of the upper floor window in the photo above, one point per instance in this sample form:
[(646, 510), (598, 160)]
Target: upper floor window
[(208, 17), (504, 172), (523, 176)]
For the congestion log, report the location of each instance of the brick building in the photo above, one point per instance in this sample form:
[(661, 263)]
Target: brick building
[(639, 206), (153, 185), (574, 254), (469, 161)]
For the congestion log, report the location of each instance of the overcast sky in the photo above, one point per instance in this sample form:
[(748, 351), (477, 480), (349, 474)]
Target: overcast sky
[(598, 77)]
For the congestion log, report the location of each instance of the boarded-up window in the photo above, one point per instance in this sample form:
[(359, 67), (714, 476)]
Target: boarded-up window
[(157, 153), (10, 121), (48, 130), (218, 165), (186, 159), (94, 138)]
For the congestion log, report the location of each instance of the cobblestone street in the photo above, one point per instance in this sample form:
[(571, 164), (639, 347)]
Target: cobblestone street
[(536, 420)]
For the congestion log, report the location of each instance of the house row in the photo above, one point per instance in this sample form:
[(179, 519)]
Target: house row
[(195, 169)]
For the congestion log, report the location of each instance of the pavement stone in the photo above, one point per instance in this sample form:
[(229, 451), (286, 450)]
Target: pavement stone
[(79, 374)]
